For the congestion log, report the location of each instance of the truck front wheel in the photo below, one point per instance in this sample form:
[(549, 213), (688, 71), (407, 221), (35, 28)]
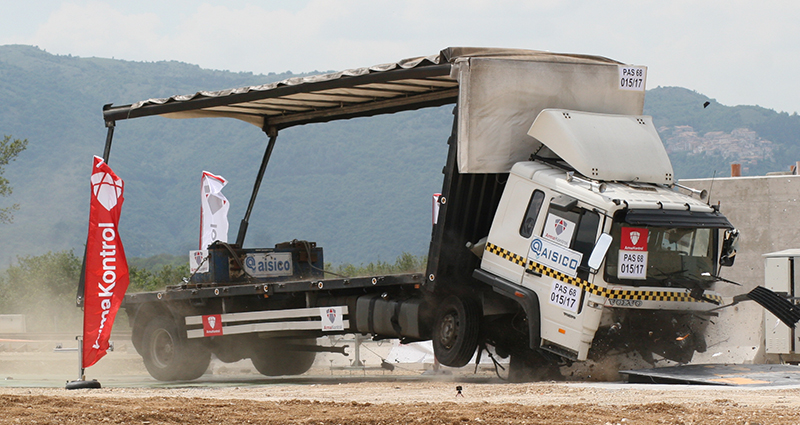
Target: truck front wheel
[(455, 331), (276, 357), (168, 356)]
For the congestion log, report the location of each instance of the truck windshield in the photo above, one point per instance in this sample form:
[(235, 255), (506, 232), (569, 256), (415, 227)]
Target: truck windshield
[(660, 256)]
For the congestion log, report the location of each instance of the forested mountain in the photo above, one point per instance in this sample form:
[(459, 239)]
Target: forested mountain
[(360, 188), (704, 138)]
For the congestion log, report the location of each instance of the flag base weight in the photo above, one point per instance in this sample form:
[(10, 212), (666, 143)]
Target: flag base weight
[(81, 384)]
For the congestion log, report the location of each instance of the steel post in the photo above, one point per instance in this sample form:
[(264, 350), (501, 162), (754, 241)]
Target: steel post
[(272, 132)]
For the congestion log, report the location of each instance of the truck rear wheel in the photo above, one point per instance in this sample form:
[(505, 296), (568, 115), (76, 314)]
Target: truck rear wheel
[(455, 331), (276, 357), (169, 356)]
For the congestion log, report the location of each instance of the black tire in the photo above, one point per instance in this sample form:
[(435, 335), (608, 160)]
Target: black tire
[(169, 356), (231, 348), (275, 357), (456, 330)]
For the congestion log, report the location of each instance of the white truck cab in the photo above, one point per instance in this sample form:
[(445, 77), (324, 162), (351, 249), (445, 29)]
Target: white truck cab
[(604, 177)]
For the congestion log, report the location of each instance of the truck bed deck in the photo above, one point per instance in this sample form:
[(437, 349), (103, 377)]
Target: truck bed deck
[(256, 287)]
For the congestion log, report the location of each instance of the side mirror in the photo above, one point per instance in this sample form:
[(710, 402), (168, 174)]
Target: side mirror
[(599, 252), (730, 244)]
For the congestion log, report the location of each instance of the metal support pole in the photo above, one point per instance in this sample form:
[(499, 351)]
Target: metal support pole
[(357, 360), (110, 135), (272, 132), (81, 369), (81, 382)]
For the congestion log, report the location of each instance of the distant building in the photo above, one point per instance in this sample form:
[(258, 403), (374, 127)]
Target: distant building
[(742, 145)]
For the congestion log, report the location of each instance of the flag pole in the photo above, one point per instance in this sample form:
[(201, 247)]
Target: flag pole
[(81, 382), (81, 370)]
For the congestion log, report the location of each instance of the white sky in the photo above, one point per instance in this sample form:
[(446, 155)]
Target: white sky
[(738, 52)]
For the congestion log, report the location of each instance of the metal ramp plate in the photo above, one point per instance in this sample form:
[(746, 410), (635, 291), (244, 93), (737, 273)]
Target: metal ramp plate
[(749, 375)]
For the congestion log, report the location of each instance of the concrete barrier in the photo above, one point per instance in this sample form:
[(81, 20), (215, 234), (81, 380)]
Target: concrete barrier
[(765, 209)]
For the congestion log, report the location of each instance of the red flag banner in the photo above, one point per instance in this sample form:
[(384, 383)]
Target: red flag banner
[(106, 267)]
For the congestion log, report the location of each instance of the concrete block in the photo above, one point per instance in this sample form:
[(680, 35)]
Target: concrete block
[(765, 209)]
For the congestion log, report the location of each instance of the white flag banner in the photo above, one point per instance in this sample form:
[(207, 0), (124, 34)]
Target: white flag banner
[(213, 210)]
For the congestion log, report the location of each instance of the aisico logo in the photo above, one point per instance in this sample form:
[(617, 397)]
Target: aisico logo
[(106, 189)]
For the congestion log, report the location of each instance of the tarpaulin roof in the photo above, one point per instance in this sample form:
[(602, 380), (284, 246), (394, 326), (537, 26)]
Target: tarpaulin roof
[(404, 85)]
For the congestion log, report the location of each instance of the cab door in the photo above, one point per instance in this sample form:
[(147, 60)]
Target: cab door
[(516, 220), (557, 270)]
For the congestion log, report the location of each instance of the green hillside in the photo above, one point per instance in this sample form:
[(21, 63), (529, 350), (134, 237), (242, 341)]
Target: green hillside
[(675, 106), (360, 188)]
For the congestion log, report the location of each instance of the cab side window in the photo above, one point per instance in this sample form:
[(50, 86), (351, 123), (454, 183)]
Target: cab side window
[(529, 221), (576, 229), (586, 234)]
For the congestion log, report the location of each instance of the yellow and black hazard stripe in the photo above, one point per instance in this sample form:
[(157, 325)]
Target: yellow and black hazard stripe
[(617, 294), (506, 254)]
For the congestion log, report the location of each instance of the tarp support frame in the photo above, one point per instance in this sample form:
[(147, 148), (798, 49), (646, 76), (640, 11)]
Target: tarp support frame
[(272, 132), (111, 113), (109, 136)]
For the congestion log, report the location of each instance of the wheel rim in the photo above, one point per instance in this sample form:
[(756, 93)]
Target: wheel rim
[(163, 348), (448, 330)]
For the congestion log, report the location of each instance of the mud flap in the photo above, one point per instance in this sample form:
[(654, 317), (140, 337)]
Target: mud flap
[(783, 309)]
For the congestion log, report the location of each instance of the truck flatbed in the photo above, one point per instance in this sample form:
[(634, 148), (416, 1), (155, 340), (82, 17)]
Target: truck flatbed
[(203, 291)]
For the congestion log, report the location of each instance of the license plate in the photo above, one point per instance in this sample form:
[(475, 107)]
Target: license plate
[(565, 296)]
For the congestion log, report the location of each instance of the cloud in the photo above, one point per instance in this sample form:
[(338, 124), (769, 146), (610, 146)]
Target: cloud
[(97, 29), (253, 38), (319, 35), (729, 50)]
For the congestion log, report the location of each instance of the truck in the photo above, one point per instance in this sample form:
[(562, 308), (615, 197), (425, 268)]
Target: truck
[(560, 233)]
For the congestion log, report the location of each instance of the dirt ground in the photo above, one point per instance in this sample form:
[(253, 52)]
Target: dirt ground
[(32, 392), (403, 403)]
